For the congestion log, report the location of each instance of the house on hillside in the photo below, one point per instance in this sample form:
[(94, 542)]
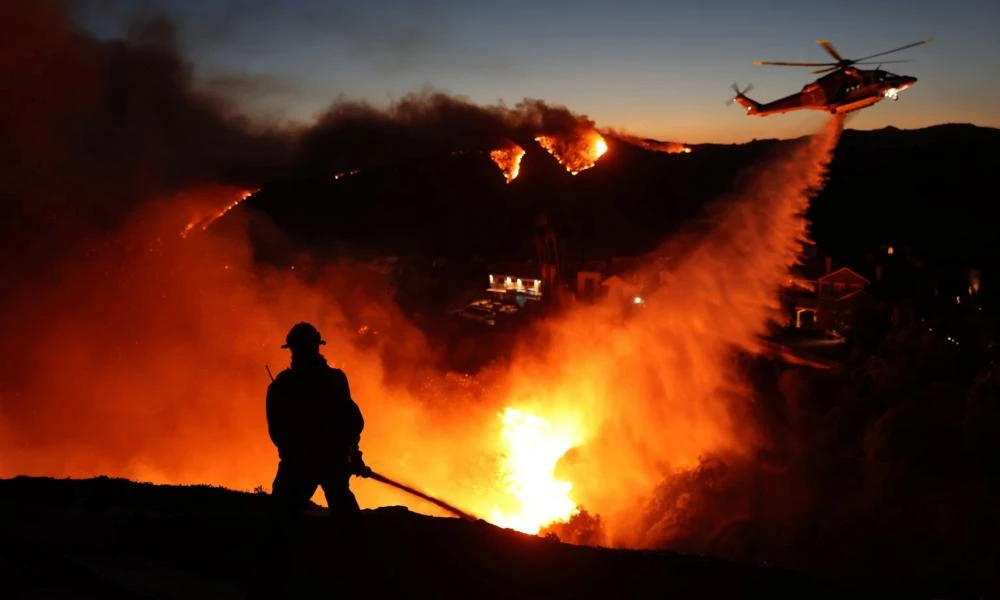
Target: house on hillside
[(616, 278), (589, 278), (516, 282), (830, 302), (840, 283), (622, 287)]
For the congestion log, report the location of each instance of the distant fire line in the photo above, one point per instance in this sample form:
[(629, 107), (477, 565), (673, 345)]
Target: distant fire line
[(343, 174), (207, 222), (576, 152)]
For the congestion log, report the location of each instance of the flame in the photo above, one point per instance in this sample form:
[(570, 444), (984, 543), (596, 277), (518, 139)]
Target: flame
[(509, 160), (532, 447), (578, 153), (205, 222)]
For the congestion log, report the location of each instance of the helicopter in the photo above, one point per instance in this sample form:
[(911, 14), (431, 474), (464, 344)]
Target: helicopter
[(843, 89)]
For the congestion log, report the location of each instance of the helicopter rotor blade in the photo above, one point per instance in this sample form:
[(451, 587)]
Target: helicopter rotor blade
[(792, 64), (886, 62), (826, 70), (893, 50), (825, 43)]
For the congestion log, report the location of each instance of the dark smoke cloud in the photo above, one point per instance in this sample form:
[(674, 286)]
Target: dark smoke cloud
[(357, 135), (90, 129)]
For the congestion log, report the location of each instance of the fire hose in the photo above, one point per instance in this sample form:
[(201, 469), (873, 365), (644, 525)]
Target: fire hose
[(414, 492), (369, 474)]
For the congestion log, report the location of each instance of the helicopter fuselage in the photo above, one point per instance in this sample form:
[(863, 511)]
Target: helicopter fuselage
[(844, 88), (837, 93)]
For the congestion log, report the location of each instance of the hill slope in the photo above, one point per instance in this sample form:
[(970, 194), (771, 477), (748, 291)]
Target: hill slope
[(928, 188), (118, 539)]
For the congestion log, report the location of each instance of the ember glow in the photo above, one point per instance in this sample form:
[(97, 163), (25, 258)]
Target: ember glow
[(578, 152), (342, 174), (531, 448), (509, 160), (204, 222)]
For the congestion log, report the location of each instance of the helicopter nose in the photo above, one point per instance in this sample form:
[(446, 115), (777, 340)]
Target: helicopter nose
[(905, 82)]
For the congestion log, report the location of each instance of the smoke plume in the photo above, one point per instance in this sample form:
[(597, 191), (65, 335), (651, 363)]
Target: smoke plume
[(353, 134), (89, 129)]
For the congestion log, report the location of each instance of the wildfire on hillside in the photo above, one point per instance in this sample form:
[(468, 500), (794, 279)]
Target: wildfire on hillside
[(576, 153), (508, 159), (204, 222)]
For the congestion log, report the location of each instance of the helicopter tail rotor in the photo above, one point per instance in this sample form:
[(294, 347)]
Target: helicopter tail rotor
[(739, 94), (740, 98)]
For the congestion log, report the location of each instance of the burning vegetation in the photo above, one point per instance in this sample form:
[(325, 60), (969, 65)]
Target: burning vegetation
[(578, 152), (508, 159), (530, 449)]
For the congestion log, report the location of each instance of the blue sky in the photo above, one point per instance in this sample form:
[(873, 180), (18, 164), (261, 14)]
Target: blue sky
[(661, 69)]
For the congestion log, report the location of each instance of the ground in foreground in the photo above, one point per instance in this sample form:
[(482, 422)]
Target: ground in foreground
[(112, 538)]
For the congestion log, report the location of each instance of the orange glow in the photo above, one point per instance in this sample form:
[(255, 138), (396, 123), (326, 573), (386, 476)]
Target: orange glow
[(509, 160), (153, 369), (651, 144), (577, 153)]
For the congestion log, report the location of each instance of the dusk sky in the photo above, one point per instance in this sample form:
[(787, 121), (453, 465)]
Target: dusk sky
[(657, 68)]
